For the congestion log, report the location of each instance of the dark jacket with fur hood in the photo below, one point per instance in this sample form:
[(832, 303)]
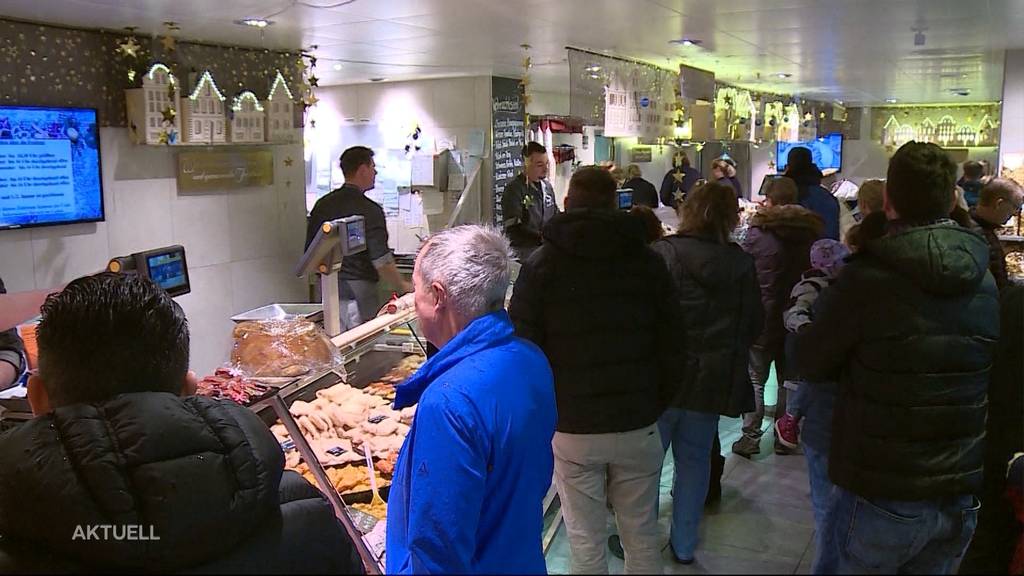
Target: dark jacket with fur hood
[(780, 239)]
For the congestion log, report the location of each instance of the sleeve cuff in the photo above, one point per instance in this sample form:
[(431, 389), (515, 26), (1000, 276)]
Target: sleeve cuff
[(384, 260)]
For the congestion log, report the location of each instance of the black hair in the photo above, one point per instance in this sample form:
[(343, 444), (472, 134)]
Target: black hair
[(532, 148), (973, 170), (920, 182), (111, 334), (355, 157), (799, 157)]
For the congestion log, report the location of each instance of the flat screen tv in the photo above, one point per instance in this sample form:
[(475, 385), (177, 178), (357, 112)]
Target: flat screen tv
[(826, 151), (49, 167)]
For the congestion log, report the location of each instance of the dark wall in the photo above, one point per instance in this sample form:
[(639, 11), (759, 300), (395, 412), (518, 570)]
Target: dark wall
[(52, 66)]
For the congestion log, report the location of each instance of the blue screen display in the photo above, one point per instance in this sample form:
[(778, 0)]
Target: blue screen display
[(625, 198), (167, 270), (49, 166), (827, 152)]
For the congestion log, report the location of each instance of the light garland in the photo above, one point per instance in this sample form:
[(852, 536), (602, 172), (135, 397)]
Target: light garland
[(161, 67), (279, 81), (206, 77), (246, 94)]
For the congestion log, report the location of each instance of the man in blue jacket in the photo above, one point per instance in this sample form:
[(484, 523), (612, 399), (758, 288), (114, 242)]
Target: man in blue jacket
[(810, 193), (471, 478)]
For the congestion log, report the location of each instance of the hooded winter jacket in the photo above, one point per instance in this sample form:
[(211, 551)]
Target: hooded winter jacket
[(151, 482), (470, 481), (908, 330), (813, 196), (779, 238), (722, 316), (602, 307)]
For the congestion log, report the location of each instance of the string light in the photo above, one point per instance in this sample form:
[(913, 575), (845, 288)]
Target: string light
[(246, 95), (206, 77), (280, 81), (159, 67)]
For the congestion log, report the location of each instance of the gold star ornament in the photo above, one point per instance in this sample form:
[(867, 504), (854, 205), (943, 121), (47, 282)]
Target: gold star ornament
[(169, 43), (678, 177), (129, 47), (169, 114), (288, 161)]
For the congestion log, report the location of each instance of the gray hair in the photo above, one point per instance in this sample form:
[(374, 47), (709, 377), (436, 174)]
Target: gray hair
[(473, 263)]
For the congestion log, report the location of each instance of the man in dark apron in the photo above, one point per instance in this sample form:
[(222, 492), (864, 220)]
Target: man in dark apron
[(528, 202)]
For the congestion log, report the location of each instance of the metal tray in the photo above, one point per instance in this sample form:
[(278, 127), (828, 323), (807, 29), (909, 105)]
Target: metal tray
[(312, 312)]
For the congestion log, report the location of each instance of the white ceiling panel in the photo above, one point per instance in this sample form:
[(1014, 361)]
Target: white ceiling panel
[(854, 50)]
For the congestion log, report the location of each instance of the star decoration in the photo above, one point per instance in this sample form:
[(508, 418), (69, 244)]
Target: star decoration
[(677, 196), (288, 161), (314, 81), (129, 47), (131, 75), (287, 183), (311, 100), (678, 177), (169, 114), (300, 66), (312, 123), (169, 43)]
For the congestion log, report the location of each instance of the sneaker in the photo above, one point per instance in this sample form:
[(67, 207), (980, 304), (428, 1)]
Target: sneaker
[(787, 432), (615, 546), (747, 446)]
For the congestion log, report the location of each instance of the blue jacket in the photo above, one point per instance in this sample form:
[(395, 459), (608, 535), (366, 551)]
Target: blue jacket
[(820, 201), (471, 478)]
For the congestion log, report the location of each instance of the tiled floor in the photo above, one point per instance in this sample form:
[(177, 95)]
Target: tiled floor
[(763, 524)]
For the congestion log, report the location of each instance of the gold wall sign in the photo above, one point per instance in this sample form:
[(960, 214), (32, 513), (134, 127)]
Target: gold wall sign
[(204, 171)]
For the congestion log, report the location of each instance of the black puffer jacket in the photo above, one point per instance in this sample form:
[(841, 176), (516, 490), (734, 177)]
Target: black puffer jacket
[(204, 476), (780, 239), (722, 316), (908, 330), (602, 307)]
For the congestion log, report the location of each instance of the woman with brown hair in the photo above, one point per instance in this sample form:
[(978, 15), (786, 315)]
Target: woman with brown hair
[(718, 291)]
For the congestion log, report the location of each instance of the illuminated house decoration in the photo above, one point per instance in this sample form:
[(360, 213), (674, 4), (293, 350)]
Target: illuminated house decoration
[(773, 113), (905, 133), (927, 131), (889, 131), (153, 109), (202, 116), (744, 116), (279, 107), (247, 118), (808, 129), (619, 103), (966, 135), (789, 129), (945, 130), (987, 131)]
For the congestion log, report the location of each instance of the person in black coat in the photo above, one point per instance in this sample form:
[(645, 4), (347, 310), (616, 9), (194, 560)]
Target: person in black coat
[(722, 316), (644, 193), (602, 307), (121, 470), (908, 330), (678, 181)]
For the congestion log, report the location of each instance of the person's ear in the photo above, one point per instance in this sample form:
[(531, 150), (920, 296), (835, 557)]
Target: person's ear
[(38, 398), (440, 295), (188, 387)]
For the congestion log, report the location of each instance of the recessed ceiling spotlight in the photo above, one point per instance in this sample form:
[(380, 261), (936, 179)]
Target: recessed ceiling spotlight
[(254, 22), (686, 42), (377, 79), (890, 100), (593, 68), (960, 91), (337, 66), (784, 75)]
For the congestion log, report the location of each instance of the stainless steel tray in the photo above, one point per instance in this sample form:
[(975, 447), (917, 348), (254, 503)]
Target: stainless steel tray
[(312, 312)]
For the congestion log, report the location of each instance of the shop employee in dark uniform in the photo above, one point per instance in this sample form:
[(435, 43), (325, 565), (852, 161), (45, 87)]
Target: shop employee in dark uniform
[(360, 272), (528, 202)]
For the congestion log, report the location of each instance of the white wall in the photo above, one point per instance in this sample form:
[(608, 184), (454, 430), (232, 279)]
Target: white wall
[(1011, 132), (443, 108), (241, 244)]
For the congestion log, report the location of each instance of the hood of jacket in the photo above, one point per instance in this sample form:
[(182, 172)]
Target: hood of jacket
[(595, 234), (941, 258), (790, 223), (146, 481)]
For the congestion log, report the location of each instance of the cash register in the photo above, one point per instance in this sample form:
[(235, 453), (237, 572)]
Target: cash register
[(167, 267)]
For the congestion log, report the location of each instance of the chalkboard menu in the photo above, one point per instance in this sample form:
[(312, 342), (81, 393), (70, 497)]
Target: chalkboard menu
[(508, 135)]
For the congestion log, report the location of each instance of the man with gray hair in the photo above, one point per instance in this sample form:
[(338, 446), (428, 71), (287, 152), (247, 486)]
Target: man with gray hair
[(471, 478)]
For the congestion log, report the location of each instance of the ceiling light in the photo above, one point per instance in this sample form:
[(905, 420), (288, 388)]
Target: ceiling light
[(254, 22), (784, 75), (377, 79), (890, 100), (961, 91), (337, 66), (593, 68), (686, 42)]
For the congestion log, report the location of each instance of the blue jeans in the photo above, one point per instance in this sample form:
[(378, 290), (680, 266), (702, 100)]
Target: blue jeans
[(881, 536), (821, 494), (691, 435)]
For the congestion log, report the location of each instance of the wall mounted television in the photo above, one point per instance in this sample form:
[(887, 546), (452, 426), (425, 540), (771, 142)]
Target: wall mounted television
[(49, 167), (826, 151)]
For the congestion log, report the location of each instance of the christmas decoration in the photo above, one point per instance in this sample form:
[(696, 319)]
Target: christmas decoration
[(153, 108), (202, 116), (247, 118), (279, 107), (129, 48)]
